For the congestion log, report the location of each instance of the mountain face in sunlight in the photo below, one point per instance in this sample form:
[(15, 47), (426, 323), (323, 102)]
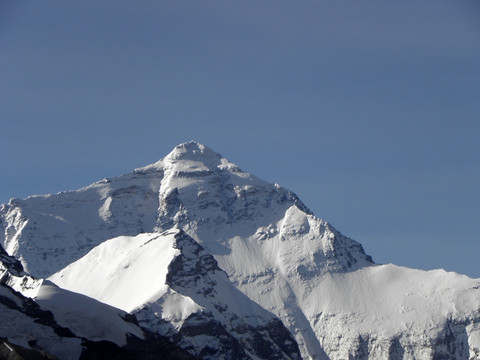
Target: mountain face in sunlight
[(226, 265)]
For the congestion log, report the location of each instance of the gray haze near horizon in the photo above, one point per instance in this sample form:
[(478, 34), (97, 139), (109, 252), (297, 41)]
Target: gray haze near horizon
[(369, 111)]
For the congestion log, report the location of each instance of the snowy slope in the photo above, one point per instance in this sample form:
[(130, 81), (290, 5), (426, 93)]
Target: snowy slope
[(321, 284), (59, 321), (124, 272), (22, 325), (86, 317), (68, 325), (48, 232), (173, 286), (421, 314)]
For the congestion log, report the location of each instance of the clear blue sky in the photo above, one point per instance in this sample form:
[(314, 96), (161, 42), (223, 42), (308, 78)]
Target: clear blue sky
[(368, 110)]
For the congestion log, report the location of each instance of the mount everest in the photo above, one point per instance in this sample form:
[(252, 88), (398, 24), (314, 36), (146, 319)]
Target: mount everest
[(220, 264)]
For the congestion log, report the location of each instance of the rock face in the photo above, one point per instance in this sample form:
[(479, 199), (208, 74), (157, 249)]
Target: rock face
[(329, 294), (13, 275)]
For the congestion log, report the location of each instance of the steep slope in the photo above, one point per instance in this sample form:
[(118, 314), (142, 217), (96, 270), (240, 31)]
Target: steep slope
[(392, 312), (65, 325), (86, 317), (13, 275), (177, 290), (26, 325), (46, 233), (322, 285)]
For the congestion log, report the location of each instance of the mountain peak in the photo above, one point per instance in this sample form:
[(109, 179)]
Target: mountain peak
[(192, 150), (191, 156)]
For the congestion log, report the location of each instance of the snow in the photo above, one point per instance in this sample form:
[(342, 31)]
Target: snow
[(49, 232), (175, 308), (84, 316), (128, 271), (26, 285), (320, 283), (399, 298), (21, 329), (163, 279)]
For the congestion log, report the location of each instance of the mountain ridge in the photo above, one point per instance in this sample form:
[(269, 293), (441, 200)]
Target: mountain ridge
[(174, 288)]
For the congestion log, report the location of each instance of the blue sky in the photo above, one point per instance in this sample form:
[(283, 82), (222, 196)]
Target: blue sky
[(369, 111)]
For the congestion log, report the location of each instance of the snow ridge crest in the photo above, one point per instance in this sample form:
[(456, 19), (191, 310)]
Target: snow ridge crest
[(190, 157)]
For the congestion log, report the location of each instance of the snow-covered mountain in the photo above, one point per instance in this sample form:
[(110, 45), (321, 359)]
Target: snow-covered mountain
[(59, 324), (176, 289), (168, 230)]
